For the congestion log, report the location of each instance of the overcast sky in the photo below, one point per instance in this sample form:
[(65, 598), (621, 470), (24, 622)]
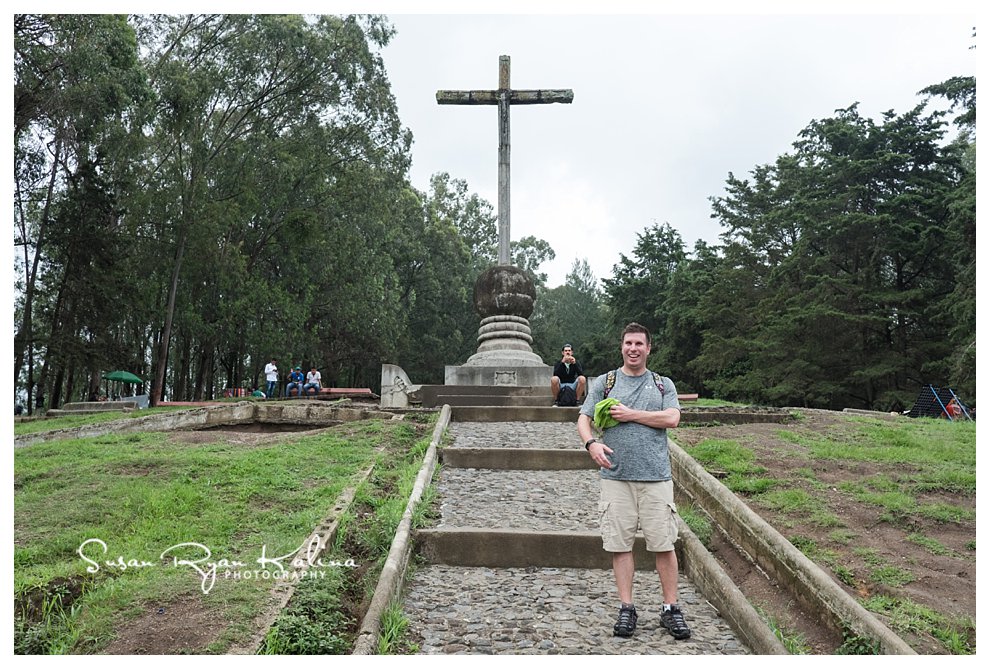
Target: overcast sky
[(665, 107)]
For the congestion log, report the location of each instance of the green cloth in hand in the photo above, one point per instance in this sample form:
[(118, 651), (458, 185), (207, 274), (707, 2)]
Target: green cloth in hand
[(603, 418)]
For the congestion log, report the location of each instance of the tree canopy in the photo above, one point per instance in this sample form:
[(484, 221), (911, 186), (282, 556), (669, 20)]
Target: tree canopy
[(196, 194)]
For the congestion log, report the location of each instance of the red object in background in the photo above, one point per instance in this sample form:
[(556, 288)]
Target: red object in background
[(952, 410)]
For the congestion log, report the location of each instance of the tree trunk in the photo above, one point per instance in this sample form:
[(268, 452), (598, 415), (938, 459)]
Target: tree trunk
[(24, 338), (201, 363), (94, 383), (70, 382), (182, 370), (158, 385), (55, 400)]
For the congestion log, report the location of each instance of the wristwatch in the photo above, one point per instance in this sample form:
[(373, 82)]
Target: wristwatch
[(591, 441)]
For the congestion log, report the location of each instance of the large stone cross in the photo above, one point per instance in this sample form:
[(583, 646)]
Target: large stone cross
[(503, 97)]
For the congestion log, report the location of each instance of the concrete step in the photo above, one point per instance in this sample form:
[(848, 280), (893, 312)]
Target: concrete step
[(496, 414), (486, 547), (466, 400), (517, 458)]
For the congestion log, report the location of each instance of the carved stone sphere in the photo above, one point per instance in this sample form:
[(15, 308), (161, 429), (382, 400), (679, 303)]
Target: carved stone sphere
[(504, 290)]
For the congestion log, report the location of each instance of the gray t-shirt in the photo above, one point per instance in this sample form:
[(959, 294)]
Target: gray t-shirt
[(639, 452)]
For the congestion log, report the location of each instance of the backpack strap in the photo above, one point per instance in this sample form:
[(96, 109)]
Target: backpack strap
[(610, 382), (657, 379)]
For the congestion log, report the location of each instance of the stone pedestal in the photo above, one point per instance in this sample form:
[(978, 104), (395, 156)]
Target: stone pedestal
[(504, 297)]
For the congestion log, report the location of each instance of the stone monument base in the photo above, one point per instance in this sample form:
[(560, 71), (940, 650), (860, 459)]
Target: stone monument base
[(496, 372)]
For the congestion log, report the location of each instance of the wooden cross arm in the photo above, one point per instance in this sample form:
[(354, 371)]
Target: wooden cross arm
[(537, 97)]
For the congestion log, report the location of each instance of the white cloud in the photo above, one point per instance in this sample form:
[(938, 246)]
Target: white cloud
[(568, 211), (664, 107)]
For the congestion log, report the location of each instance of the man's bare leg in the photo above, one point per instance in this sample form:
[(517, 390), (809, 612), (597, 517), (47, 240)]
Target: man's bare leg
[(667, 570), (624, 566)]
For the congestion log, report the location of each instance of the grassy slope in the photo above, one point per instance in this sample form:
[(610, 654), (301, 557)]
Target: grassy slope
[(141, 494)]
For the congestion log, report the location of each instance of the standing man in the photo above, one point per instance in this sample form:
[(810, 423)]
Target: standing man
[(636, 484), (568, 372), (271, 376), (313, 381)]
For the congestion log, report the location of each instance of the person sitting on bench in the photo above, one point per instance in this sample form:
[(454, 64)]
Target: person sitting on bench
[(568, 372), (312, 382)]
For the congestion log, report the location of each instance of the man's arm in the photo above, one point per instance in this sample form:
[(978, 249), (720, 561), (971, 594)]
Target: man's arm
[(657, 419), (598, 451)]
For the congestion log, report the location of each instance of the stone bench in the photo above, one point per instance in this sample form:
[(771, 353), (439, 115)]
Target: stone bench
[(328, 393)]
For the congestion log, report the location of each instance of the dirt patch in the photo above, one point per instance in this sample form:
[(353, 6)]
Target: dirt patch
[(241, 435), (256, 427), (181, 626), (770, 599), (864, 540), (187, 625)]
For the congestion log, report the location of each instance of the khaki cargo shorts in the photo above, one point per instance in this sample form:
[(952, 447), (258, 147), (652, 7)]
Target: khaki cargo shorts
[(626, 506)]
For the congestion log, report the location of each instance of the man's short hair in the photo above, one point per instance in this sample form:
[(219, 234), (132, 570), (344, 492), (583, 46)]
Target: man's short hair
[(636, 327), (566, 346)]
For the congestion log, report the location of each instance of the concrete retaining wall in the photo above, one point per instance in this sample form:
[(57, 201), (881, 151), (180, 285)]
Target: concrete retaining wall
[(689, 415), (301, 412), (393, 574), (773, 553)]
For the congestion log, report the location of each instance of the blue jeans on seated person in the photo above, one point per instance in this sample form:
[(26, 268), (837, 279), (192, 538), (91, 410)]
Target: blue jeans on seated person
[(314, 386), (293, 384)]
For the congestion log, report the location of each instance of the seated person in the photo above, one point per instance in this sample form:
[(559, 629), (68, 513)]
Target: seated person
[(568, 372), (295, 381), (313, 380), (257, 392)]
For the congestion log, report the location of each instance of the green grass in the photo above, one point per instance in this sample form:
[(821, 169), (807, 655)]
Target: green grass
[(824, 556), (315, 622), (737, 461), (891, 576), (81, 420), (366, 530), (924, 456), (707, 402), (141, 494), (697, 522), (957, 636), (898, 502), (869, 556), (941, 454), (392, 640), (798, 503), (794, 642), (914, 460), (853, 644), (842, 536)]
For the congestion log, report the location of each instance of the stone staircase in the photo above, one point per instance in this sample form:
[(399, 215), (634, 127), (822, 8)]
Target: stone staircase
[(515, 564)]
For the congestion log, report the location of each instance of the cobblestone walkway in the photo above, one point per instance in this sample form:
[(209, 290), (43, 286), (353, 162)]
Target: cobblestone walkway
[(505, 610)]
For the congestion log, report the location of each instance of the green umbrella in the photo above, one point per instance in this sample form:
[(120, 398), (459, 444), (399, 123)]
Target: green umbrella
[(125, 377)]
